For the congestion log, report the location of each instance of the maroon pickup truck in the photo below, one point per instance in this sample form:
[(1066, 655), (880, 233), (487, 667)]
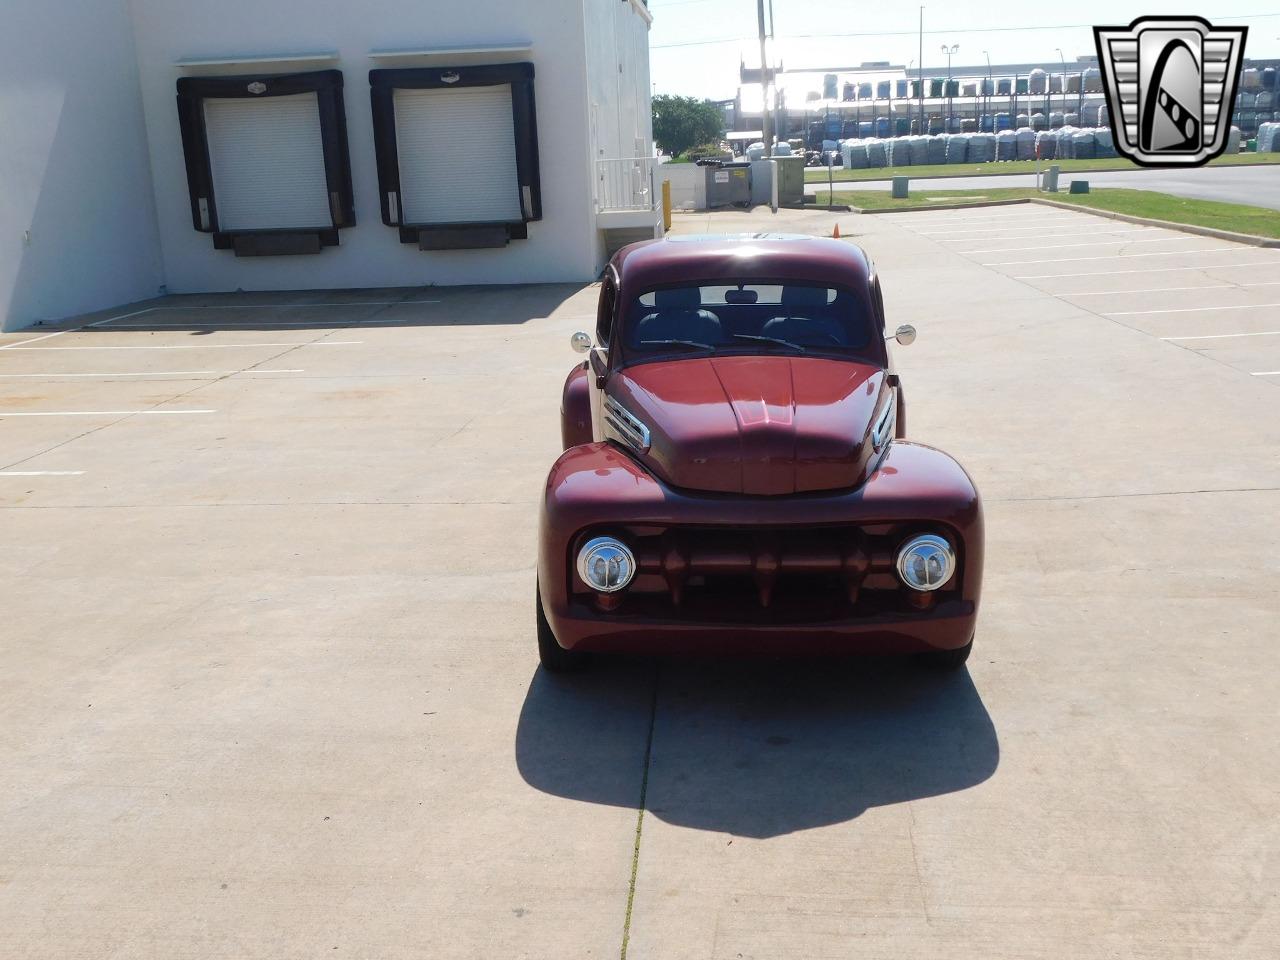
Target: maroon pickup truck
[(735, 477)]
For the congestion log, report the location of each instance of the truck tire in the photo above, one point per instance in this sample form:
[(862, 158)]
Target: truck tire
[(946, 659), (553, 657)]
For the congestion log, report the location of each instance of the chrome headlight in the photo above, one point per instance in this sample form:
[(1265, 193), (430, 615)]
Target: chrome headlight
[(606, 565), (926, 562)]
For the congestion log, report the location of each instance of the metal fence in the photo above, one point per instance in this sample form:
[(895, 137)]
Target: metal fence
[(625, 183)]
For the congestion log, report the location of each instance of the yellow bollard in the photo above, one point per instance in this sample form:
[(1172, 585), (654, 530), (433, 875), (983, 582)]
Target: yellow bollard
[(666, 204)]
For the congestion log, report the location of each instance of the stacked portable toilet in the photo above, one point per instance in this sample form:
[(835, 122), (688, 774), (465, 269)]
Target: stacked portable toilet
[(1104, 146), (1047, 145), (1037, 81), (982, 148), (882, 90), (1004, 86), (1023, 120), (1251, 79), (854, 153), (1269, 138), (1056, 119), (918, 149), (1071, 120), (1038, 122), (1003, 122), (1006, 145), (1026, 143), (1092, 80), (957, 147), (896, 153), (1233, 141), (1082, 144), (875, 153), (1073, 83), (900, 89), (936, 149)]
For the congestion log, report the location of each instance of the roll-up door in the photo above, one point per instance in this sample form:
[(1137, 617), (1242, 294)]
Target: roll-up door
[(267, 162), (457, 155)]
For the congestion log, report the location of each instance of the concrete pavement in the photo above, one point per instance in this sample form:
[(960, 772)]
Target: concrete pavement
[(1257, 186), (271, 684)]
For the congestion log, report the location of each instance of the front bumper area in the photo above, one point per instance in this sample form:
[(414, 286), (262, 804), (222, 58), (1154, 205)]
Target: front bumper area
[(729, 574)]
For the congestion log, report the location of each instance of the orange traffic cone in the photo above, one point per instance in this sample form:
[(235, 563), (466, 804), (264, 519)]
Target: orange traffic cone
[(835, 234)]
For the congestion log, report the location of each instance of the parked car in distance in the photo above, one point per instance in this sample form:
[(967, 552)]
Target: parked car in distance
[(735, 476)]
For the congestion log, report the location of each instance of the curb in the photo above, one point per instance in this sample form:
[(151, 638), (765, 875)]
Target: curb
[(943, 206), (1247, 238)]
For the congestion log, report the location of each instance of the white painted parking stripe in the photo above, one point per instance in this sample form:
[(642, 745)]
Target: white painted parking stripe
[(1091, 243), (186, 325), (281, 306), (1116, 293), (1226, 336), (207, 346), (1267, 373), (41, 473), (1050, 233), (1234, 306), (1212, 286), (1038, 227), (1110, 256), (161, 373), (95, 413), (1111, 273), (58, 333)]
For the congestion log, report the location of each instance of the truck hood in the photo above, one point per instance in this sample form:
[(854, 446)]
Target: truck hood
[(756, 425)]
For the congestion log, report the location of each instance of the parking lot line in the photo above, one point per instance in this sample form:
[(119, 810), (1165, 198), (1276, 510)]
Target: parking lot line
[(185, 324), (1267, 373), (1052, 233), (4, 414), (1234, 306), (1110, 256), (1113, 293), (1090, 243), (1226, 336), (281, 306), (159, 373), (1111, 273), (41, 473), (58, 333), (207, 346)]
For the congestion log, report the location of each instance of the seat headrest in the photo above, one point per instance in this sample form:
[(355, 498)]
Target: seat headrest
[(804, 296), (678, 298)]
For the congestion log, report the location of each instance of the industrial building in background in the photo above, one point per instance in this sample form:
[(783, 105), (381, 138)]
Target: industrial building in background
[(157, 145), (823, 106)]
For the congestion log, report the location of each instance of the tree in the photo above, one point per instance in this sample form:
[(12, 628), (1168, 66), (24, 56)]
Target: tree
[(683, 122)]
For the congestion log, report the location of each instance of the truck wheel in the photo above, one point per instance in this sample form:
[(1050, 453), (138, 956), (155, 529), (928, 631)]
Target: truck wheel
[(947, 659), (553, 657)]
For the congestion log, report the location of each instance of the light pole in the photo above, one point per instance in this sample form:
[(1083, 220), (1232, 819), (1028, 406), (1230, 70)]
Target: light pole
[(1063, 61), (766, 126), (987, 93), (920, 73), (909, 66), (950, 52)]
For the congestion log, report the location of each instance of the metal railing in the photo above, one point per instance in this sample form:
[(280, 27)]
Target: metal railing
[(625, 183)]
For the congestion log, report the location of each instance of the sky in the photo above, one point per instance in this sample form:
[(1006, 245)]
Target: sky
[(695, 45)]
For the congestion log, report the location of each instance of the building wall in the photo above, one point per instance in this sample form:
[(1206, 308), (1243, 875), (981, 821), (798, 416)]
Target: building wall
[(562, 246), (618, 119), (77, 223)]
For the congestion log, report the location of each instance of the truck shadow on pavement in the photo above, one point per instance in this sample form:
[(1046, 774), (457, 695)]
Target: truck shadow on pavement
[(755, 749)]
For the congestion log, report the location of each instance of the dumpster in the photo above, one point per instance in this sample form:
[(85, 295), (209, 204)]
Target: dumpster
[(728, 184)]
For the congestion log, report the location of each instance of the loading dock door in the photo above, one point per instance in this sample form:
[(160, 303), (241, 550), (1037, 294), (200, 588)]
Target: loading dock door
[(267, 162), (457, 155)]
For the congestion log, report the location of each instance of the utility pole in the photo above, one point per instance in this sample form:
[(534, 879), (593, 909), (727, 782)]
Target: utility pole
[(920, 73), (766, 126)]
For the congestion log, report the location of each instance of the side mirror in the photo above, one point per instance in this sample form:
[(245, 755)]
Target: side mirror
[(581, 342), (905, 334)]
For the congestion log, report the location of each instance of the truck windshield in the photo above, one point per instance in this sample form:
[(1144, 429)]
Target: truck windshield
[(747, 318)]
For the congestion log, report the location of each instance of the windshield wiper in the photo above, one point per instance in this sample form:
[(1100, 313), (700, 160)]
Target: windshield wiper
[(692, 344), (777, 340)]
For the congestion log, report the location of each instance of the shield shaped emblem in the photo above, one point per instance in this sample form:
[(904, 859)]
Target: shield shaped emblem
[(1170, 84)]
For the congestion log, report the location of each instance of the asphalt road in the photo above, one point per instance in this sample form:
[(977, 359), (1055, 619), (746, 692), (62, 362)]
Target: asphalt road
[(1259, 186)]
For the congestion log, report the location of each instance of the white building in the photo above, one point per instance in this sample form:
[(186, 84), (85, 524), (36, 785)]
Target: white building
[(182, 146)]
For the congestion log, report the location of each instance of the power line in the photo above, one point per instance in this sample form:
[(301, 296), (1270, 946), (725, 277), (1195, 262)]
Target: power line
[(912, 33)]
